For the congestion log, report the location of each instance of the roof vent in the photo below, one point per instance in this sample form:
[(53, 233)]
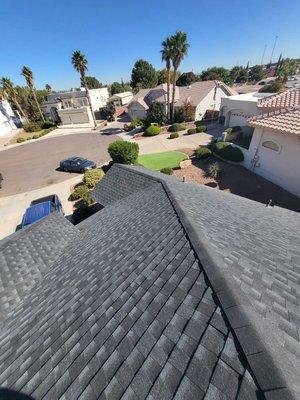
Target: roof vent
[(184, 179), (270, 203)]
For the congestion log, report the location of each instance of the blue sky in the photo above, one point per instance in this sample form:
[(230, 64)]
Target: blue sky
[(115, 33)]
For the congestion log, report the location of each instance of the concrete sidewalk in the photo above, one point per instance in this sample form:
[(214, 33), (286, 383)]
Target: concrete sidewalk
[(13, 207)]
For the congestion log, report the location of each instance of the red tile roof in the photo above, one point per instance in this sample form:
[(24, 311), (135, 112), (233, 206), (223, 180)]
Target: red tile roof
[(286, 121), (279, 101)]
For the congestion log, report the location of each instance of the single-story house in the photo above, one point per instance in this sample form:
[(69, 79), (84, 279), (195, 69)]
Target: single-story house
[(121, 99), (9, 120), (204, 96), (173, 290), (274, 151), (74, 99)]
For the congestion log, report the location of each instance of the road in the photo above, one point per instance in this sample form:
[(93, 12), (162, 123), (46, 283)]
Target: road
[(34, 165)]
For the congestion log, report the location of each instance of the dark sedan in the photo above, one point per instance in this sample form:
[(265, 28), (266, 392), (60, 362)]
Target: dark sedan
[(76, 164)]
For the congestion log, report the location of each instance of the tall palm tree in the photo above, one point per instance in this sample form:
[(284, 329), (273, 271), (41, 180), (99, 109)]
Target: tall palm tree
[(179, 49), (9, 89), (80, 62), (28, 75), (166, 54)]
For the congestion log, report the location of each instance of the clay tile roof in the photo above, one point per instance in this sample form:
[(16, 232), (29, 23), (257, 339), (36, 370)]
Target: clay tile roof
[(279, 101), (287, 121)]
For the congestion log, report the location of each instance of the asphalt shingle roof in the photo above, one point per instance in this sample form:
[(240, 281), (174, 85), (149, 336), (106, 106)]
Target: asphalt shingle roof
[(156, 299)]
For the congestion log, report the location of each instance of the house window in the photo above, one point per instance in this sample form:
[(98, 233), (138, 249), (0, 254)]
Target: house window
[(269, 144)]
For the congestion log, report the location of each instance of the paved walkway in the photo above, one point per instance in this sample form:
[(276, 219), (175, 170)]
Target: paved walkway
[(13, 207)]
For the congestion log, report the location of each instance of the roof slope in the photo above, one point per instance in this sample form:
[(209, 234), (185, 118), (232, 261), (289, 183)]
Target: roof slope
[(279, 101), (286, 121), (27, 254)]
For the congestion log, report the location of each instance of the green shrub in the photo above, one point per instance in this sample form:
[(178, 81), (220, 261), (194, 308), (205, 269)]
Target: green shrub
[(214, 170), (176, 128), (47, 124), (167, 171), (202, 152), (152, 130), (201, 128), (128, 127), (83, 193), (20, 139), (91, 177), (32, 127), (227, 151), (36, 136), (174, 135), (29, 138), (123, 152), (228, 130), (191, 131)]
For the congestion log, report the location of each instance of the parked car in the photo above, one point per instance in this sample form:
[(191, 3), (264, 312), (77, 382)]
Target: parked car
[(40, 208), (76, 164)]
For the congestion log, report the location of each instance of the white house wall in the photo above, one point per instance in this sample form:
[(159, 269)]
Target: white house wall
[(7, 117), (237, 111), (282, 167), (98, 98), (210, 103)]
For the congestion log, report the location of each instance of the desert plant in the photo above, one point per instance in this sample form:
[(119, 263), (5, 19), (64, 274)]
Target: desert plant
[(174, 135), (227, 151), (176, 128), (32, 127), (92, 177), (191, 131), (123, 152), (152, 130), (20, 139), (214, 170), (201, 128), (202, 152), (167, 171)]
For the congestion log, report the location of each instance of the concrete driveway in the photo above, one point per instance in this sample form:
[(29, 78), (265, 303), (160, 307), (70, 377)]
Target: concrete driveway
[(33, 165)]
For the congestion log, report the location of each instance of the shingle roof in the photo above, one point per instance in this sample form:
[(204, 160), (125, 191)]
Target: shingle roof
[(157, 299), (286, 121), (279, 101)]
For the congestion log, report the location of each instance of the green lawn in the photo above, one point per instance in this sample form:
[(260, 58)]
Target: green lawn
[(157, 161)]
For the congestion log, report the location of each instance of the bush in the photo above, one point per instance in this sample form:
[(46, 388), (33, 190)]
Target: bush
[(32, 127), (47, 124), (214, 170), (167, 171), (106, 168), (273, 88), (83, 193), (152, 130), (228, 130), (191, 131), (202, 152), (20, 139), (90, 178), (128, 127), (123, 152), (36, 136), (29, 138), (176, 128), (201, 128), (227, 151), (174, 135)]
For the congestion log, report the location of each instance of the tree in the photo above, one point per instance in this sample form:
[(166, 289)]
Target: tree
[(256, 73), (117, 87), (143, 75), (166, 55), (48, 88), (274, 87), (287, 68), (10, 91), (216, 74), (162, 75), (28, 75), (238, 74), (92, 82), (186, 79), (156, 113), (80, 63), (179, 47)]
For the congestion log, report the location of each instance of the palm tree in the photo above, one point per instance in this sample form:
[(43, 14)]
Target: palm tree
[(179, 49), (9, 89), (27, 73), (80, 62), (48, 88), (166, 54)]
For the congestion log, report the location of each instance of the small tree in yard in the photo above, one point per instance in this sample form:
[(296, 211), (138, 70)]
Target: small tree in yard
[(123, 152), (92, 177), (156, 113)]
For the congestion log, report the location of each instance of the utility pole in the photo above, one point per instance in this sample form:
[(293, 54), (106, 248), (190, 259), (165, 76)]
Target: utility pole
[(275, 41)]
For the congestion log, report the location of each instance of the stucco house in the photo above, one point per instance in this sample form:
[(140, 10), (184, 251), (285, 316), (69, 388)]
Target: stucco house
[(204, 96), (72, 107), (121, 99), (274, 151), (8, 119)]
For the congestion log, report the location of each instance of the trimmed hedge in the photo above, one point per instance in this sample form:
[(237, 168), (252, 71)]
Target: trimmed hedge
[(227, 151), (167, 171), (202, 152), (176, 128), (92, 177), (174, 135), (123, 152), (152, 130), (191, 131), (201, 128)]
